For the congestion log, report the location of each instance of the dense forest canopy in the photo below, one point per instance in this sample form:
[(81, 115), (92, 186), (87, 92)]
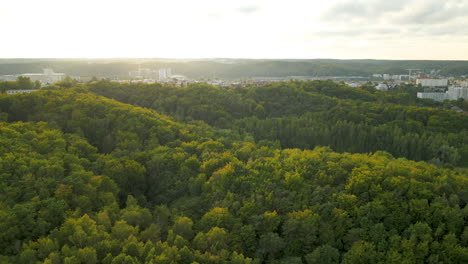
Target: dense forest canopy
[(296, 172), (232, 68), (309, 114)]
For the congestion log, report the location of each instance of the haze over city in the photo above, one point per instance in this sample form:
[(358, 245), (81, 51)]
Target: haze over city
[(376, 29)]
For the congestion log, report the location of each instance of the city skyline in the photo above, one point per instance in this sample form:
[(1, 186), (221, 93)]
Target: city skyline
[(360, 29)]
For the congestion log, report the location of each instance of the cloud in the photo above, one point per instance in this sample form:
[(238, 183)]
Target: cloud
[(432, 20), (397, 12), (360, 10), (432, 12), (349, 32), (449, 29)]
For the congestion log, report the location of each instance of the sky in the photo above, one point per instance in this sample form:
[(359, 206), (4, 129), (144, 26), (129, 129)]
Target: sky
[(302, 29)]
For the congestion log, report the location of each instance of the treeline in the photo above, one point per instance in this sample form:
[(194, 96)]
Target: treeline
[(309, 114), (86, 179), (344, 136)]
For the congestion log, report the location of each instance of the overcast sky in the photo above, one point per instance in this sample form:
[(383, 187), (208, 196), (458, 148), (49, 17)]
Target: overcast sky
[(343, 29)]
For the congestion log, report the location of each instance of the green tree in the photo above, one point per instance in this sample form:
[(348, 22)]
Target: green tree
[(24, 83)]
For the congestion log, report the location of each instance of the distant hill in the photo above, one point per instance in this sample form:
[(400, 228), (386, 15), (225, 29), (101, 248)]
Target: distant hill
[(231, 68)]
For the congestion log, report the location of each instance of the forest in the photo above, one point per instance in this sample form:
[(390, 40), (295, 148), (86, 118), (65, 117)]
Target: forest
[(309, 114), (292, 172)]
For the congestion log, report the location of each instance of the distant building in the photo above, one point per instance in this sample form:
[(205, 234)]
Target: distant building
[(404, 77), (47, 77), (432, 83), (387, 76), (143, 73), (8, 78), (382, 87), (20, 91), (434, 96), (455, 93), (164, 74), (353, 84)]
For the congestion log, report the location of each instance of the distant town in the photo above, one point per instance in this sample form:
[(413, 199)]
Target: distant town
[(433, 85)]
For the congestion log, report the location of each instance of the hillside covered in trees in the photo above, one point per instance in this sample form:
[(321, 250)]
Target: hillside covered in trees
[(297, 172), (309, 114)]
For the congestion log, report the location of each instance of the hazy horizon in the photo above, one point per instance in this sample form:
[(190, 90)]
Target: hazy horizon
[(215, 58), (338, 29)]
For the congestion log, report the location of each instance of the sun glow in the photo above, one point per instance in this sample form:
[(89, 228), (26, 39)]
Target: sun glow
[(202, 29)]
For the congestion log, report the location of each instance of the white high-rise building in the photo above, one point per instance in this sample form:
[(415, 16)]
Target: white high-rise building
[(164, 74), (455, 93), (433, 83), (434, 96)]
